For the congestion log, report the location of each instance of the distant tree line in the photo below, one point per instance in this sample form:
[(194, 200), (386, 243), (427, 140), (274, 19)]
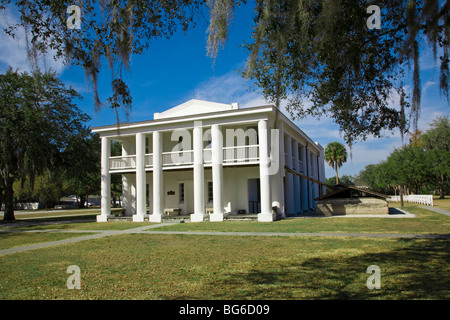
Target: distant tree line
[(46, 149), (421, 167)]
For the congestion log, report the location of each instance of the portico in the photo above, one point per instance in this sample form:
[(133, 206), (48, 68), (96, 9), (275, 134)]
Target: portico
[(200, 158)]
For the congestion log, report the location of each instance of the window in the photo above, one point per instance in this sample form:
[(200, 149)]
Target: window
[(210, 191), (181, 192)]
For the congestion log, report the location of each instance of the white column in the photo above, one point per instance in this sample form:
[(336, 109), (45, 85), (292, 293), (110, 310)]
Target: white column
[(125, 184), (304, 182), (289, 184), (277, 186), (158, 194), (150, 190), (105, 181), (322, 171), (141, 197), (310, 187), (217, 173), (296, 178), (199, 190), (266, 214)]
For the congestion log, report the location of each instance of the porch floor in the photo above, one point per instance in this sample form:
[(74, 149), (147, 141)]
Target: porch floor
[(187, 218)]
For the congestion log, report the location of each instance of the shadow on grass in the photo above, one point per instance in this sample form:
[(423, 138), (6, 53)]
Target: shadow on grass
[(63, 222), (419, 270)]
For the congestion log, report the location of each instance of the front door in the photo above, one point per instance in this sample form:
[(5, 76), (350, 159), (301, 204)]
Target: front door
[(186, 196)]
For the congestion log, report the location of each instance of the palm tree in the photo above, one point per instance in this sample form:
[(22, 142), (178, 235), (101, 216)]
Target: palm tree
[(335, 156)]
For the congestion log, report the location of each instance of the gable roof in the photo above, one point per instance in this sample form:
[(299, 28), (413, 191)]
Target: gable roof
[(193, 107), (347, 192)]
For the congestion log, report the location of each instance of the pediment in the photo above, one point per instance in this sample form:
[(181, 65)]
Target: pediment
[(193, 107)]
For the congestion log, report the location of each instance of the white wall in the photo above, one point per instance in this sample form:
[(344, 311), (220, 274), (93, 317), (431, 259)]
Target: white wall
[(235, 188)]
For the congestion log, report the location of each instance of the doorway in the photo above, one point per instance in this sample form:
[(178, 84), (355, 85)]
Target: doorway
[(254, 196), (186, 196)]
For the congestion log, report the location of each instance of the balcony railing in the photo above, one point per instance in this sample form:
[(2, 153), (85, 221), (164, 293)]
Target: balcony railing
[(176, 158), (148, 160), (122, 162), (296, 164), (207, 155), (235, 154), (128, 162)]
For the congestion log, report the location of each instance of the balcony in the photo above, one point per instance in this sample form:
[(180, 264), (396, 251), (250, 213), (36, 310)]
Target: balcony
[(128, 163), (177, 158), (122, 163), (297, 165), (240, 154), (231, 156)]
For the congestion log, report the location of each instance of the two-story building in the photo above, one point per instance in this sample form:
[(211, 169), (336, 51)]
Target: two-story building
[(209, 160)]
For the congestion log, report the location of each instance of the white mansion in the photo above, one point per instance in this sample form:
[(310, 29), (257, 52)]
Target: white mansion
[(208, 160)]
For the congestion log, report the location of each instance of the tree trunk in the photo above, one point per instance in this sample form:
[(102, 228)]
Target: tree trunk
[(9, 201), (82, 200), (402, 204), (337, 177), (441, 189)]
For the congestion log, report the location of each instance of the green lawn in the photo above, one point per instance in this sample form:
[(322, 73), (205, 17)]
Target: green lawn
[(425, 222), (155, 266), (220, 267), (15, 239)]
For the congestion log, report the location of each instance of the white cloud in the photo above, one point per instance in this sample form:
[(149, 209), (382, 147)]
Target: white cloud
[(231, 87), (227, 88), (13, 51)]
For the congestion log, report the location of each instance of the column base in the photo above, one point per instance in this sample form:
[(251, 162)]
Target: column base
[(102, 218), (197, 217), (267, 217), (139, 217), (155, 217), (216, 217)]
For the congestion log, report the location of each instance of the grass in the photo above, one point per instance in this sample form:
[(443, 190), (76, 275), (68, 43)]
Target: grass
[(442, 203), (15, 239), (206, 267), (425, 222), (154, 266)]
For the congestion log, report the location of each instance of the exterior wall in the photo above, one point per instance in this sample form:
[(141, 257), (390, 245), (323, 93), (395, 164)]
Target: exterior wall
[(235, 189), (349, 206)]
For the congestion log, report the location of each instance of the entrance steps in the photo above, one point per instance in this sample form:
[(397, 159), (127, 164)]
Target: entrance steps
[(241, 217)]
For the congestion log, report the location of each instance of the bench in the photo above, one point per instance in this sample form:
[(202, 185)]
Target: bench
[(172, 211)]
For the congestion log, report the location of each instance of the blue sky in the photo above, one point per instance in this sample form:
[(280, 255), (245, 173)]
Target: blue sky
[(176, 70)]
